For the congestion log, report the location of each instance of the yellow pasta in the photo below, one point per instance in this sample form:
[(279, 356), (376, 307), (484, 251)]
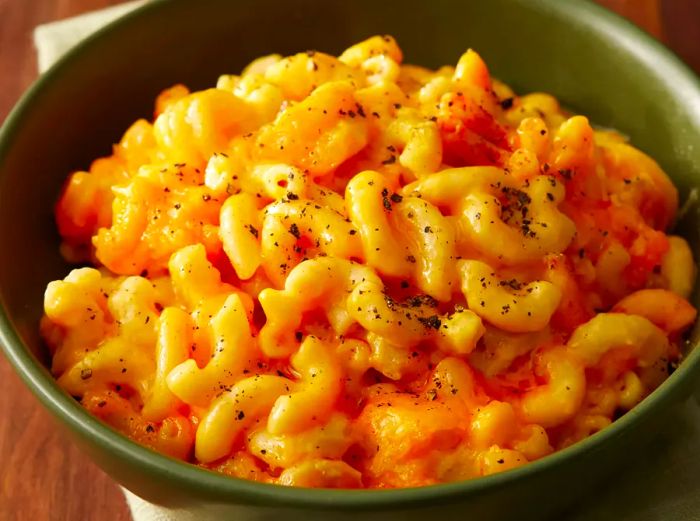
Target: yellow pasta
[(353, 272)]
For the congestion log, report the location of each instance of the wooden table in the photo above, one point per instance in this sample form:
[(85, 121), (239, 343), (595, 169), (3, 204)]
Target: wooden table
[(42, 475)]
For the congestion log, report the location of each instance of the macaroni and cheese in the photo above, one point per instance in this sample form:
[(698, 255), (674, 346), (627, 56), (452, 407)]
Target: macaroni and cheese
[(351, 272)]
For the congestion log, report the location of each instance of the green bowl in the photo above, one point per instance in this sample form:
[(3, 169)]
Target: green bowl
[(591, 60)]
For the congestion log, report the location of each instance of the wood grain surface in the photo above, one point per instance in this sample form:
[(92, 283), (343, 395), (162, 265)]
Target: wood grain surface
[(42, 475)]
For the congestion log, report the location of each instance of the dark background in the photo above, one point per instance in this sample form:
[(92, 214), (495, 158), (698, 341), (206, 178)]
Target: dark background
[(42, 475)]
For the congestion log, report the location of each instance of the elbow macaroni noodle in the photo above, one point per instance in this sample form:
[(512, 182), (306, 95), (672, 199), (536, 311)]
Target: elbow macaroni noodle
[(351, 272)]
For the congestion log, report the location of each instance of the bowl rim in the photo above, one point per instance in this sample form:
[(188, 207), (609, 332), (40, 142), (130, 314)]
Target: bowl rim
[(228, 489)]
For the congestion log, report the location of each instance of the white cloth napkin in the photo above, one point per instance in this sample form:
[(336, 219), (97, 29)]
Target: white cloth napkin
[(661, 484), (52, 40)]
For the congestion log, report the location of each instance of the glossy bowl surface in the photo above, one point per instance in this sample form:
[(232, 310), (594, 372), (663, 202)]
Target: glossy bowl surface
[(593, 61)]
